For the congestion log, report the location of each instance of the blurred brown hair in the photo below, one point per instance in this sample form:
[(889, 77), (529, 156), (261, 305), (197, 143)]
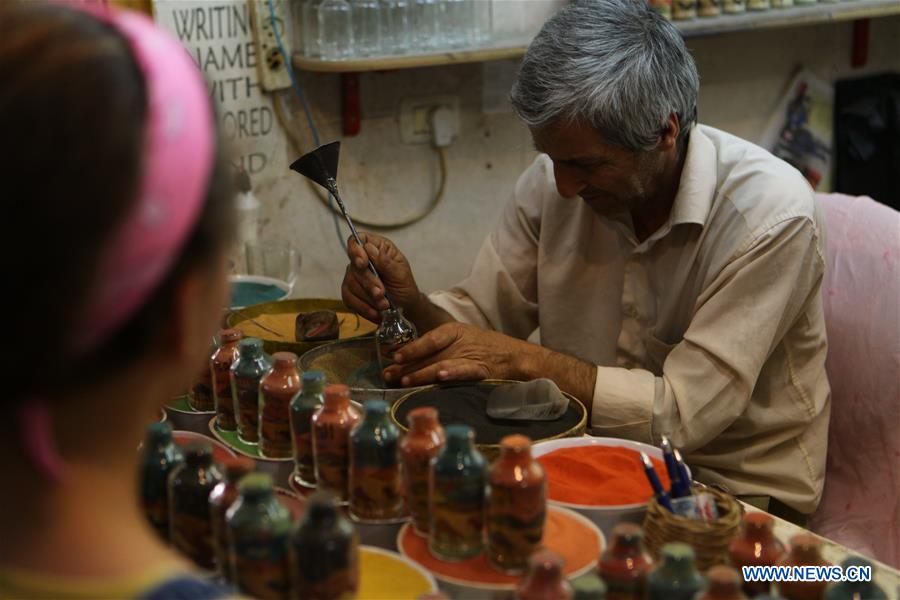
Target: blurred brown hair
[(72, 113)]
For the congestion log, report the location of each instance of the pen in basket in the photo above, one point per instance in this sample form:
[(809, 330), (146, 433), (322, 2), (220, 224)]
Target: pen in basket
[(662, 497), (680, 487), (682, 471)]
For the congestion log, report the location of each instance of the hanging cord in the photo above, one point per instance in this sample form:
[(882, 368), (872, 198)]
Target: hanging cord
[(323, 196), (295, 84)]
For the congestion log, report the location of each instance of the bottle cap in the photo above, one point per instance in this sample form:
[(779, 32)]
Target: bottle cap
[(723, 581), (321, 505), (159, 433), (677, 553), (313, 382), (228, 336), (421, 417), (628, 534), (758, 521), (256, 485), (337, 395), (515, 444), (546, 564), (284, 360), (376, 408), (251, 347)]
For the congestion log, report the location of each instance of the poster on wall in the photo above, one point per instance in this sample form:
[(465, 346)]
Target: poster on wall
[(218, 35), (801, 130)]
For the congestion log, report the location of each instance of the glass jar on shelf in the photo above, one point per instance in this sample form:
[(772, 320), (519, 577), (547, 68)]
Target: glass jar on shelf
[(396, 26), (427, 25), (335, 30)]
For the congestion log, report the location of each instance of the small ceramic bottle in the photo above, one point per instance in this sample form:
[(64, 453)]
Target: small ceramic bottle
[(724, 584), (676, 577), (220, 366), (684, 9), (589, 587), (418, 447), (220, 500), (159, 457), (246, 373), (393, 333), (326, 552), (516, 506), (855, 590), (709, 8), (276, 389), (544, 579), (806, 550), (757, 546), (190, 526), (303, 407), (260, 528), (376, 488), (200, 396), (625, 564), (331, 426), (456, 492)]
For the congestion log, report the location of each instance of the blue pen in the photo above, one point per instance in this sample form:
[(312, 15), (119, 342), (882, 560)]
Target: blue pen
[(661, 495), (683, 472), (679, 488)]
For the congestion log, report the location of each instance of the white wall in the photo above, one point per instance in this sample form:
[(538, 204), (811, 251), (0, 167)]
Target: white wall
[(742, 76)]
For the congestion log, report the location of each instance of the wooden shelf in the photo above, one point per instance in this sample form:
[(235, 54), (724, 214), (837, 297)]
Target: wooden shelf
[(808, 14)]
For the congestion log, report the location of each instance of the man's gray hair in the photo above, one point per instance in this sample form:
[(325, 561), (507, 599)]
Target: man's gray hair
[(616, 65)]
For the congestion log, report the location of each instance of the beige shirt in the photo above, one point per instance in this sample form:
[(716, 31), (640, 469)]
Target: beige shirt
[(710, 331)]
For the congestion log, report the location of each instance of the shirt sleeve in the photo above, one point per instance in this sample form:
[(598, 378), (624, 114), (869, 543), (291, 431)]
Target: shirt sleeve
[(709, 377), (500, 292)]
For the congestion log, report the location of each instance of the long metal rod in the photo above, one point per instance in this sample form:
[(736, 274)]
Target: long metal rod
[(332, 188)]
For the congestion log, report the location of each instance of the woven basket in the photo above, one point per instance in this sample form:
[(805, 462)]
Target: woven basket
[(709, 540)]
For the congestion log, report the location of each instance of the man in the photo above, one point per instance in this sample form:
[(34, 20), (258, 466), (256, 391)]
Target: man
[(670, 271)]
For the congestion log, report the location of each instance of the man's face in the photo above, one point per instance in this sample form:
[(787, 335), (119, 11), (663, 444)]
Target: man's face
[(609, 178)]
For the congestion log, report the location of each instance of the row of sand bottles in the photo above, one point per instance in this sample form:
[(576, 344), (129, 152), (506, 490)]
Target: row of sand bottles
[(227, 518), (681, 10)]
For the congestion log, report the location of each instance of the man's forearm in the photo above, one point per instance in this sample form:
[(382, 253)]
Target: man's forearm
[(571, 374), (426, 315)]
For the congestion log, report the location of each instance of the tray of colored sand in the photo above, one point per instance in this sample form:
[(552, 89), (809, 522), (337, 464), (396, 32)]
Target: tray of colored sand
[(384, 574), (567, 533), (275, 323), (601, 478)]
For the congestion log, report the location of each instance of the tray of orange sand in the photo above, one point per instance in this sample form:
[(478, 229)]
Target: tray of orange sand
[(567, 533), (274, 323)]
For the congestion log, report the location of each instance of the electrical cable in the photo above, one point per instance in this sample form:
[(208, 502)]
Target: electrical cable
[(325, 197), (280, 112), (295, 84)]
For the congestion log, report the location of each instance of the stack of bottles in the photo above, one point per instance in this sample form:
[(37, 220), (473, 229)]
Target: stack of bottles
[(681, 10), (344, 29)]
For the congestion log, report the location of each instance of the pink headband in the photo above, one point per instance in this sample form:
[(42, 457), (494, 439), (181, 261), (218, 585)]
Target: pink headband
[(179, 140)]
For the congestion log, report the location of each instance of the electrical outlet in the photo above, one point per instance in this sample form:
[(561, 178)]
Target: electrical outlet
[(415, 117), (273, 74)]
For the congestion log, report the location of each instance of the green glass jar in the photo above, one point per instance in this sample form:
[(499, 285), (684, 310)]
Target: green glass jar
[(376, 487), (457, 492), (260, 529), (303, 407), (250, 366), (326, 551), (676, 578), (851, 590), (159, 457)]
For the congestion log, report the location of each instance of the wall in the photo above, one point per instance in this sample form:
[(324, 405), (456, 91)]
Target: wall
[(742, 78)]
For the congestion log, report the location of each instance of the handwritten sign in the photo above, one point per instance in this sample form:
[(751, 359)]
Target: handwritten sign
[(218, 35)]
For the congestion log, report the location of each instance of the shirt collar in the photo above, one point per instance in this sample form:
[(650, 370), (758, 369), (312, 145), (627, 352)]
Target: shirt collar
[(697, 187)]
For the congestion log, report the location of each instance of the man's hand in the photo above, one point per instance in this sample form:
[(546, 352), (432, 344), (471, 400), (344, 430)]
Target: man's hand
[(363, 292), (454, 352)]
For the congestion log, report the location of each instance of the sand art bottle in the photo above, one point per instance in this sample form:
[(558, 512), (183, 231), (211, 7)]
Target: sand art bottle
[(376, 488), (326, 552), (303, 407), (418, 447), (200, 396), (331, 426), (260, 529), (220, 365), (246, 373), (393, 333), (625, 564), (516, 505), (676, 577), (806, 550), (220, 500), (457, 487), (724, 584), (276, 389), (190, 526), (855, 590), (756, 546), (544, 579), (159, 457)]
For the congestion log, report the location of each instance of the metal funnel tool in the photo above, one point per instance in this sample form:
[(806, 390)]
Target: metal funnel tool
[(320, 165)]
